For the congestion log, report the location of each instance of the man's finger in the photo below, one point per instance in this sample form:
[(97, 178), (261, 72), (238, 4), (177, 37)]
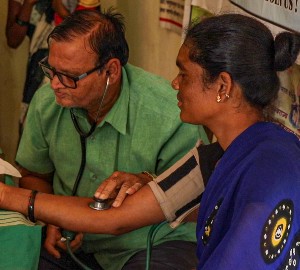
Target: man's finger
[(121, 196), (104, 192), (134, 188), (52, 250)]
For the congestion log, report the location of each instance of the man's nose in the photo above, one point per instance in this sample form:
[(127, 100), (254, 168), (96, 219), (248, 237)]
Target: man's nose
[(56, 83)]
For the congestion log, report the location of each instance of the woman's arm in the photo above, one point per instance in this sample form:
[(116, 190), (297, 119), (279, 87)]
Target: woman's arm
[(74, 213)]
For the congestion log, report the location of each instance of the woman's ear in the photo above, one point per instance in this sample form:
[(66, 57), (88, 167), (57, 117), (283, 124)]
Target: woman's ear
[(225, 84)]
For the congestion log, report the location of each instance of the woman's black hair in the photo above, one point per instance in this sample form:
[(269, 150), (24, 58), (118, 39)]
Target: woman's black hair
[(105, 33), (245, 48)]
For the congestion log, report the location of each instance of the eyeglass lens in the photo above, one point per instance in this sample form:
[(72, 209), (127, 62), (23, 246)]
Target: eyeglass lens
[(65, 80)]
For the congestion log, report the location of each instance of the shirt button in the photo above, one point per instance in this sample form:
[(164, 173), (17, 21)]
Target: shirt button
[(92, 138), (94, 177)]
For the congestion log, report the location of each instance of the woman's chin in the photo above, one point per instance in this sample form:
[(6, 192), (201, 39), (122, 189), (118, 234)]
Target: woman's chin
[(184, 118)]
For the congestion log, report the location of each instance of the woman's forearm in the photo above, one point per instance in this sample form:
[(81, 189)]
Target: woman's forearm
[(74, 213)]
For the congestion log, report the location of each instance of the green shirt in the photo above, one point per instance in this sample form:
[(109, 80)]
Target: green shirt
[(142, 132)]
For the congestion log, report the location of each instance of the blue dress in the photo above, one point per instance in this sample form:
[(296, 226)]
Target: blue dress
[(250, 211)]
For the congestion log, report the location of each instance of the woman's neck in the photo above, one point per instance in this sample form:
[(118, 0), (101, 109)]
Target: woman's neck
[(238, 123)]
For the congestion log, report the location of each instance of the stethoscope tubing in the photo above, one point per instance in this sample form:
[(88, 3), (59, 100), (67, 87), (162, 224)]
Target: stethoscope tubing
[(83, 136)]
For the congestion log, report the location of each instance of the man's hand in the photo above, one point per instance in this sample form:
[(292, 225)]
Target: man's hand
[(121, 184), (54, 244)]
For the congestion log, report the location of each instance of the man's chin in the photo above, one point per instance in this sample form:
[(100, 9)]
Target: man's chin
[(63, 103)]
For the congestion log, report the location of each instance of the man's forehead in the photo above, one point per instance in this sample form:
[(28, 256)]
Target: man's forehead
[(72, 52)]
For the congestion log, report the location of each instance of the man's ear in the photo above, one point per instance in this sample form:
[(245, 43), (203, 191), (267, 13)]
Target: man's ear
[(113, 70)]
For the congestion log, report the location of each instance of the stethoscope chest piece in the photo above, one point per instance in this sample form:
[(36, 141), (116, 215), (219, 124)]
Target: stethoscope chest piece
[(99, 204)]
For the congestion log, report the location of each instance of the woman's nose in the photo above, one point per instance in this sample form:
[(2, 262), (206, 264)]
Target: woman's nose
[(175, 84)]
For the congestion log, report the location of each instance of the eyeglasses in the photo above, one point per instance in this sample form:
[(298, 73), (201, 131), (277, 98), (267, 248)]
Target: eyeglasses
[(66, 80)]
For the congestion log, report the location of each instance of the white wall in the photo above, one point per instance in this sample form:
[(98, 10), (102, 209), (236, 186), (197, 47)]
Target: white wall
[(12, 75), (151, 47)]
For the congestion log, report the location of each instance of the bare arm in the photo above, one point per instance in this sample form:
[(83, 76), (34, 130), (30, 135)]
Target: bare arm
[(60, 9), (73, 213), (121, 184), (16, 33), (40, 182)]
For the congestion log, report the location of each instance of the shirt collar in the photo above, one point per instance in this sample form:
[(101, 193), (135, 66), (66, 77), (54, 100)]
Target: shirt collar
[(118, 115)]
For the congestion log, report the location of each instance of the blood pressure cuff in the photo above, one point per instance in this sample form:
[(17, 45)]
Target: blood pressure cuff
[(179, 189)]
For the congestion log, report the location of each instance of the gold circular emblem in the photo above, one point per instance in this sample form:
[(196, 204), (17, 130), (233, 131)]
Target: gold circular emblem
[(276, 231)]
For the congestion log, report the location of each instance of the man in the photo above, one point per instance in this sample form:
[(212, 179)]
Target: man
[(127, 120)]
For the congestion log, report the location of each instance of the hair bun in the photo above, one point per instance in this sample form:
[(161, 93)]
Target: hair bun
[(286, 50)]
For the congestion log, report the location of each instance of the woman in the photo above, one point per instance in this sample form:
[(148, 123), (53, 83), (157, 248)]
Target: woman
[(249, 216), (250, 212)]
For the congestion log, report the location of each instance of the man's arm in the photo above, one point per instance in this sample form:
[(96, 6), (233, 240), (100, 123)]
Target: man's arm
[(17, 18)]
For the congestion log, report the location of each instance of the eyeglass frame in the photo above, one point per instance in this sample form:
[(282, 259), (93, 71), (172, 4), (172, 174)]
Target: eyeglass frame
[(75, 79)]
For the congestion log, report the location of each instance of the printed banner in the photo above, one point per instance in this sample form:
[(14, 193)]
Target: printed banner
[(286, 109), (171, 14), (285, 13)]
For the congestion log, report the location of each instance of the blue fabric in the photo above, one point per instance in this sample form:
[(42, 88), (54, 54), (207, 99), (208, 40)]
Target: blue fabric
[(250, 211)]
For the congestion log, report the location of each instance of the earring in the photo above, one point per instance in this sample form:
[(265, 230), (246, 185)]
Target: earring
[(227, 95), (218, 98)]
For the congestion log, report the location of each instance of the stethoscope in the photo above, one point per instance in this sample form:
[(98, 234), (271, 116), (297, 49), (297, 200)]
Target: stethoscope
[(98, 204)]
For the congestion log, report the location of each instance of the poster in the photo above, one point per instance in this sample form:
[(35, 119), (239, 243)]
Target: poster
[(171, 14), (284, 13), (286, 108)]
